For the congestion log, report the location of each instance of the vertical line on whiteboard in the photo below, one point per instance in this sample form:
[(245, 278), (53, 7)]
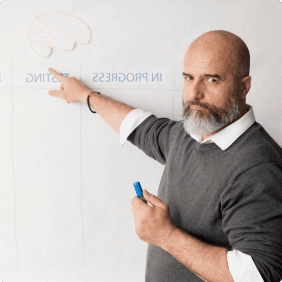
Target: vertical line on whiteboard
[(81, 177), (14, 166), (173, 89)]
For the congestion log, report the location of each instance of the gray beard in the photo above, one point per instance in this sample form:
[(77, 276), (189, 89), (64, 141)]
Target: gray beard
[(196, 125)]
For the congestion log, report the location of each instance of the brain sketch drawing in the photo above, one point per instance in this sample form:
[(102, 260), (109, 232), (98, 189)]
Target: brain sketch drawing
[(56, 29)]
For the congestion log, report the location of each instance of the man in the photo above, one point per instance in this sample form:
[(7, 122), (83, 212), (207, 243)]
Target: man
[(218, 214)]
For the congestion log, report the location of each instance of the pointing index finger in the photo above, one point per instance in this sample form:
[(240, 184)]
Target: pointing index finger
[(56, 75)]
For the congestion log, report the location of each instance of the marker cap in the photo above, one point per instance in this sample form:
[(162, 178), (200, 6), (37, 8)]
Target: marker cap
[(138, 189)]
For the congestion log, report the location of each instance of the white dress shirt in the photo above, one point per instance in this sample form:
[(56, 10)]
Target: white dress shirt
[(241, 265)]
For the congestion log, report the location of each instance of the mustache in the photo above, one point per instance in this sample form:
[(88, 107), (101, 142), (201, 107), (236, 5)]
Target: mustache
[(213, 111), (193, 103), (218, 113)]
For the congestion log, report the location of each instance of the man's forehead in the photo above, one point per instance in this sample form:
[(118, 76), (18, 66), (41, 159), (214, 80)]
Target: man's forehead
[(221, 60), (209, 60), (208, 57)]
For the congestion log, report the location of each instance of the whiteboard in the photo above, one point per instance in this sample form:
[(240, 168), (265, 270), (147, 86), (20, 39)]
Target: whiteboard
[(65, 181)]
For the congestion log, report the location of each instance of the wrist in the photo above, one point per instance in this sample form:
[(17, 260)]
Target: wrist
[(85, 96), (170, 238)]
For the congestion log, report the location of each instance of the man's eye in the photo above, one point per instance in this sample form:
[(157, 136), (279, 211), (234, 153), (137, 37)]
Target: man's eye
[(213, 81), (187, 76)]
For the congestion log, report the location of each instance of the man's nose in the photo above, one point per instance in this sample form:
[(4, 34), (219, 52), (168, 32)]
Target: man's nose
[(193, 91)]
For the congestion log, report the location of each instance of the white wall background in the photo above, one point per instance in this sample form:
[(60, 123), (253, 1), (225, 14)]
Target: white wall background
[(65, 181)]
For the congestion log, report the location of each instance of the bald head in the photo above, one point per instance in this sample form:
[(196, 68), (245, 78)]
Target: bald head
[(227, 49)]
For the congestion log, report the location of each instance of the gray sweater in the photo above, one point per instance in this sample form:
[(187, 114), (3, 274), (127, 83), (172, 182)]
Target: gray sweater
[(230, 198)]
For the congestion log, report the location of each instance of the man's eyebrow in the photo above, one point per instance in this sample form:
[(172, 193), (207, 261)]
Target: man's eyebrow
[(212, 75)]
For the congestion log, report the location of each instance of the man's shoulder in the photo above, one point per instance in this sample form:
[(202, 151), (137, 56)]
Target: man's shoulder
[(257, 146)]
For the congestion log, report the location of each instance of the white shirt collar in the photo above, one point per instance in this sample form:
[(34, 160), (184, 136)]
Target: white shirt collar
[(228, 135)]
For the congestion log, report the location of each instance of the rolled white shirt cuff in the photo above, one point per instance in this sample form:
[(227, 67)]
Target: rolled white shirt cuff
[(131, 121), (242, 267)]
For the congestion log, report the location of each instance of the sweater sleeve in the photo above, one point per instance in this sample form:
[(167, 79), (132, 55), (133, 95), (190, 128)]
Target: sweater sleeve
[(153, 136), (252, 217)]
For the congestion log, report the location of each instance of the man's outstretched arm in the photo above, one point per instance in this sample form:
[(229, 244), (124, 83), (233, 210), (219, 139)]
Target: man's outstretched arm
[(112, 111), (72, 89)]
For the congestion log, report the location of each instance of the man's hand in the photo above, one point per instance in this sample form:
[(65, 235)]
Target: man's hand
[(71, 89), (153, 225)]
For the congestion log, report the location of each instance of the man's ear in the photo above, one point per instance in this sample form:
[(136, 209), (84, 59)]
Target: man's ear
[(245, 86)]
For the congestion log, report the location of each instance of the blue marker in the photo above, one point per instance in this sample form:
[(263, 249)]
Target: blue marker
[(139, 191)]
